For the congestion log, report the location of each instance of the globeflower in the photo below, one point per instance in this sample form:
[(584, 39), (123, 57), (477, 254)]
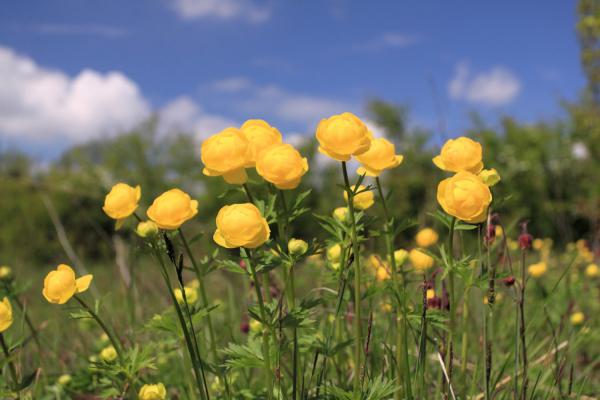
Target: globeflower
[(282, 165), (6, 314), (420, 260), (380, 156), (191, 294), (121, 202), (5, 272), (241, 225), (261, 136), (490, 176), (465, 197), (363, 200), (538, 269), (342, 136), (460, 154), (426, 237), (60, 285), (334, 253), (577, 318), (172, 208), (108, 354), (227, 154), (592, 271), (297, 247), (153, 392), (64, 379), (400, 256), (146, 229), (341, 214)]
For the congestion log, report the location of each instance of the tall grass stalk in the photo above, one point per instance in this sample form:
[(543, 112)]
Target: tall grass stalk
[(357, 286), (449, 350)]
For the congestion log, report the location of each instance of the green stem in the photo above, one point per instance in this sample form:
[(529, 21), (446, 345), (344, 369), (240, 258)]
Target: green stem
[(401, 326), (248, 193), (452, 302), (357, 287), (113, 340), (203, 296), (263, 315), (11, 364)]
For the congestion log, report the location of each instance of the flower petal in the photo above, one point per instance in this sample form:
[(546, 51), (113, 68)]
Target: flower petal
[(83, 283)]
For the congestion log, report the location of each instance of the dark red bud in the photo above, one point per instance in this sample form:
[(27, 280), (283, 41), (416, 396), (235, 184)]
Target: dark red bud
[(245, 327), (509, 281), (525, 241), (242, 264), (434, 303)]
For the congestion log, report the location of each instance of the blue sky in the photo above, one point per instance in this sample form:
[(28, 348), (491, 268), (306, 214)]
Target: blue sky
[(72, 70)]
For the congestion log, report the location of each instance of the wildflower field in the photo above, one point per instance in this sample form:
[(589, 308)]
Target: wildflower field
[(462, 304)]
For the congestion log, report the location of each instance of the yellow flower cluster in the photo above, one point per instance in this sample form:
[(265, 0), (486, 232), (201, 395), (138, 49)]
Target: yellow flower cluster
[(256, 144), (466, 195)]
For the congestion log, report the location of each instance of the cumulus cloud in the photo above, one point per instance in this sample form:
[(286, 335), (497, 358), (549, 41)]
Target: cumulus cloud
[(185, 115), (389, 40), (233, 84), (495, 87), (40, 103), (248, 10)]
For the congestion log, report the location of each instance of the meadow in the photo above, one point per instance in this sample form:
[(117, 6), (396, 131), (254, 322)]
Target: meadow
[(267, 288)]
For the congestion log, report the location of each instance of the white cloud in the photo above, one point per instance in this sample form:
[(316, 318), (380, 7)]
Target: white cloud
[(495, 87), (389, 40), (40, 103), (222, 9), (183, 115), (233, 84), (108, 31)]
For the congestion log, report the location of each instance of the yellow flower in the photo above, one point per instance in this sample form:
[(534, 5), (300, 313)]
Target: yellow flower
[(227, 154), (386, 307), (261, 136), (341, 214), (297, 247), (172, 208), (60, 285), (380, 156), (577, 318), (430, 294), (363, 200), (465, 197), (400, 256), (6, 315), (334, 253), (592, 271), (121, 202), (146, 229), (490, 176), (194, 283), (538, 244), (382, 274), (421, 261), (241, 225), (108, 354), (5, 272), (153, 392), (255, 326), (426, 237), (64, 379), (499, 231), (342, 136), (460, 154), (282, 165), (191, 295), (538, 269)]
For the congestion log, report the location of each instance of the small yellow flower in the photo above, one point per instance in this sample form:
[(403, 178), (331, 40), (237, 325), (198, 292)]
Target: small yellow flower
[(426, 237), (190, 293), (386, 307), (592, 271), (60, 285), (108, 354), (121, 202), (400, 257), (342, 136), (261, 136), (334, 253), (241, 225), (499, 231), (538, 269), (335, 266), (297, 247), (490, 176), (227, 154), (341, 214), (146, 229), (255, 326), (430, 294), (465, 197), (460, 154), (420, 260), (538, 244), (194, 283), (5, 272), (64, 379), (380, 156), (282, 165), (153, 392), (363, 200), (577, 318), (6, 315), (172, 208), (382, 273)]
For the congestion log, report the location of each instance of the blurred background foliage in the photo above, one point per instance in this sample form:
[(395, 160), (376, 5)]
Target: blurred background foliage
[(550, 175)]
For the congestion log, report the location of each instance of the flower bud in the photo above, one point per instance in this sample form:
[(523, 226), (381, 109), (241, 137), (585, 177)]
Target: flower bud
[(400, 256), (5, 273), (64, 379), (508, 281), (341, 214), (490, 176), (191, 295), (592, 271), (146, 229), (297, 247), (153, 392), (334, 253), (577, 318), (245, 327), (525, 241), (108, 354)]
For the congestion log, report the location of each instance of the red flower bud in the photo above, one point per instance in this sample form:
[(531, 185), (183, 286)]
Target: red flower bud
[(509, 281), (525, 241), (245, 327)]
